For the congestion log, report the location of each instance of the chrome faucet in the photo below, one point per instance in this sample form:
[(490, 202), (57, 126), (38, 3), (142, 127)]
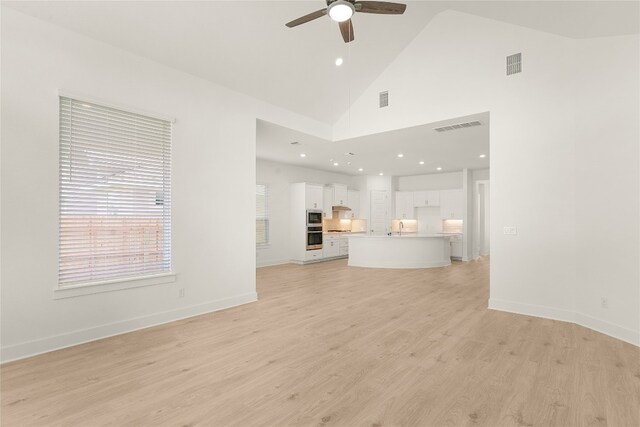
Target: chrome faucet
[(400, 227)]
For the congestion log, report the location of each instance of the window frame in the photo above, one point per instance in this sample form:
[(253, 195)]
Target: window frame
[(117, 283), (267, 220)]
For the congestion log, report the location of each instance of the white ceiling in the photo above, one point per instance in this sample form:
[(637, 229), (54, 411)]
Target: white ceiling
[(452, 151), (244, 45)]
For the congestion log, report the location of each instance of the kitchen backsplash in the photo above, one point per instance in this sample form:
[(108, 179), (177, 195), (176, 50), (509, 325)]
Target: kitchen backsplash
[(410, 225), (452, 226), (353, 225)]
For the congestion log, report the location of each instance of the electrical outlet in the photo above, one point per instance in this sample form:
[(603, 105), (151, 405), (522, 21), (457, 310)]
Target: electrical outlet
[(181, 293), (604, 302), (510, 230)]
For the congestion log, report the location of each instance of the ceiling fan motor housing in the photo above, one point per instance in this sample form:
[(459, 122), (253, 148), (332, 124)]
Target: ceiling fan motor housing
[(341, 10)]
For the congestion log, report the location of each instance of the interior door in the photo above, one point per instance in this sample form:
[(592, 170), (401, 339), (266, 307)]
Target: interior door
[(379, 213)]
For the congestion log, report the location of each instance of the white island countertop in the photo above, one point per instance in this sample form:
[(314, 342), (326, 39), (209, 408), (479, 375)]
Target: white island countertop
[(411, 250)]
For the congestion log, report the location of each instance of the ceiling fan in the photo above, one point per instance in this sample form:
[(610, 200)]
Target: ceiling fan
[(341, 11)]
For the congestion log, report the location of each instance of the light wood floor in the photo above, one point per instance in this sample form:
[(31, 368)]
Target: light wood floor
[(331, 345)]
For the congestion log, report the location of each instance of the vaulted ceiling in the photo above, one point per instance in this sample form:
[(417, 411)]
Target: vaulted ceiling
[(245, 46)]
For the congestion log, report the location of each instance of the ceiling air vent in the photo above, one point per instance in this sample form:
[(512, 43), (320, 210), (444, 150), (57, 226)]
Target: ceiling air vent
[(384, 99), (458, 126), (514, 64)]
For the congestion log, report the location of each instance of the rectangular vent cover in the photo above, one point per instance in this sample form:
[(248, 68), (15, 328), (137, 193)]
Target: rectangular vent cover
[(458, 126), (384, 99), (514, 64)]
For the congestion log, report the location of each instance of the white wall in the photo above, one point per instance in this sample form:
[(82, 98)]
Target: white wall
[(436, 181), (456, 67), (213, 168), (278, 177), (607, 182)]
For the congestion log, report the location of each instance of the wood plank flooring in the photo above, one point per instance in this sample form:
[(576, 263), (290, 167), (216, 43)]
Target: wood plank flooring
[(330, 345)]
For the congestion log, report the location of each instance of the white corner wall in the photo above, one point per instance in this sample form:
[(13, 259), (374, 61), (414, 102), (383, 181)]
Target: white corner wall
[(279, 177), (607, 184), (213, 172), (456, 67)]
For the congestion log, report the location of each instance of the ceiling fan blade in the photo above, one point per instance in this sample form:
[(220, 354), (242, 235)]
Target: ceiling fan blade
[(306, 18), (381, 7), (346, 28)]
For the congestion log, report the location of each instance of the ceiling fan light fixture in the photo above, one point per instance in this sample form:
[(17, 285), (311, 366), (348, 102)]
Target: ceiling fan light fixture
[(341, 10)]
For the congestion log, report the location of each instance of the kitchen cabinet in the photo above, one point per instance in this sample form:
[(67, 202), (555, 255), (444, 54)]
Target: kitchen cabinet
[(451, 204), (315, 255), (456, 247), (353, 201), (404, 205), (339, 194), (327, 211), (344, 245), (331, 246), (313, 196), (426, 198)]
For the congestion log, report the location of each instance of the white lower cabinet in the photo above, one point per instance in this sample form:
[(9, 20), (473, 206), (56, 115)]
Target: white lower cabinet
[(456, 247), (331, 246), (344, 245), (335, 245), (315, 255)]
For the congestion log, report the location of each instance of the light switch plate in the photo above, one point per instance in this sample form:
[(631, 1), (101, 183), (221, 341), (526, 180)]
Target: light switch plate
[(510, 230)]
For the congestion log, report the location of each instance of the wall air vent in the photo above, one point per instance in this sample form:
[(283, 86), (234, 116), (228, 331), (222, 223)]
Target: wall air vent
[(514, 64), (384, 99), (458, 126)]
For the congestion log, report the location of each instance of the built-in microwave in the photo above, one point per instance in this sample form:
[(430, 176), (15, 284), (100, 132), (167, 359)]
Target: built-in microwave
[(314, 217), (314, 238)]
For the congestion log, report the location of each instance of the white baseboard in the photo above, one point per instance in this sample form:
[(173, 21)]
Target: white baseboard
[(615, 331), (531, 310), (57, 342), (272, 263)]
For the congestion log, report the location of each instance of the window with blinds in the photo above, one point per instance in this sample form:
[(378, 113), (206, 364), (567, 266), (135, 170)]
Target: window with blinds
[(262, 215), (115, 194)]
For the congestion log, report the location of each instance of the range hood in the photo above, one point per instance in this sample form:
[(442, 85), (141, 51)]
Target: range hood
[(340, 208)]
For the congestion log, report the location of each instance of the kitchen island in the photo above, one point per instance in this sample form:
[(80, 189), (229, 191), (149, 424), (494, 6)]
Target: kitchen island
[(406, 251)]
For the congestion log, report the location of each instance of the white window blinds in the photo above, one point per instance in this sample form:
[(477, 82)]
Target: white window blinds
[(115, 194), (262, 215)]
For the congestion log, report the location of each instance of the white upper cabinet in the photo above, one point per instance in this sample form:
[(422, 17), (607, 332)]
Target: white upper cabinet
[(340, 195), (353, 201), (327, 212), (426, 198), (404, 205), (451, 204), (313, 197)]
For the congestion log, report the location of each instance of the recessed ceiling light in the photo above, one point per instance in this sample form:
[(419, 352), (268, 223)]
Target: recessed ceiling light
[(339, 62), (421, 162), (439, 168), (335, 163), (380, 174), (303, 155), (360, 170), (400, 155), (482, 156)]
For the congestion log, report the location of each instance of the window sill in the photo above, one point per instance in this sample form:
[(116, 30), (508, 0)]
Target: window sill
[(263, 246), (112, 285)]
